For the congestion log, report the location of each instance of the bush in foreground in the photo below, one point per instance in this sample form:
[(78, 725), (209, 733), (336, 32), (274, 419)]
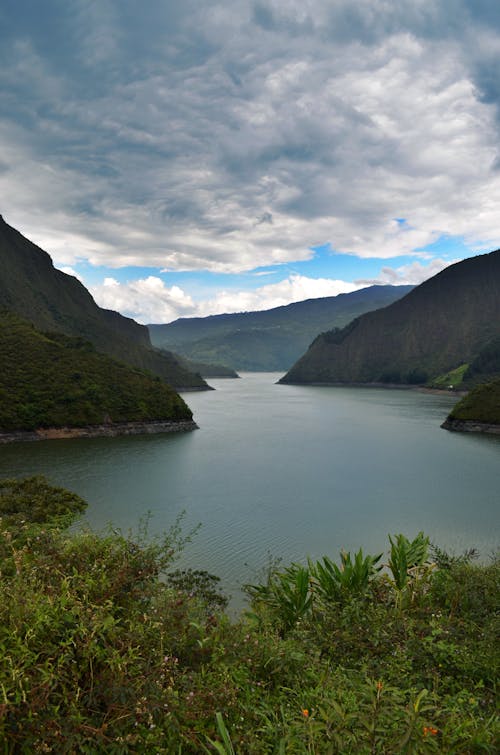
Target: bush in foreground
[(106, 649)]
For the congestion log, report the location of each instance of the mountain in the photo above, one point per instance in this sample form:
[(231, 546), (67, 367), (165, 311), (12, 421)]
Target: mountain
[(443, 323), (35, 290), (272, 339), (50, 380), (207, 370), (485, 366)]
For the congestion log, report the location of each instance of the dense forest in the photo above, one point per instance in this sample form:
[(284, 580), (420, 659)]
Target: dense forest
[(53, 380)]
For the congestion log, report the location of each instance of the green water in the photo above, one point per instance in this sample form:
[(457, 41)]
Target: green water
[(287, 471)]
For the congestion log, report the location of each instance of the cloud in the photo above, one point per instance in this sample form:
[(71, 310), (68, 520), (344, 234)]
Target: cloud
[(229, 135), (150, 300), (407, 275), (146, 300)]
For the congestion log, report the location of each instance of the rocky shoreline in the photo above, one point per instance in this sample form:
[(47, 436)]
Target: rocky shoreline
[(470, 426), (108, 430)]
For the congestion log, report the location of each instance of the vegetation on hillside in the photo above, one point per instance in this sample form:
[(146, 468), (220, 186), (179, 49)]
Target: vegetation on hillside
[(441, 324), (482, 404), (486, 365), (271, 339), (451, 380), (207, 370), (484, 368), (52, 380), (32, 288), (103, 652)]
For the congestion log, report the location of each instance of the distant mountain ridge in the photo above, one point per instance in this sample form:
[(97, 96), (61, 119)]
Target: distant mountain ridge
[(268, 340), (443, 323), (31, 287)]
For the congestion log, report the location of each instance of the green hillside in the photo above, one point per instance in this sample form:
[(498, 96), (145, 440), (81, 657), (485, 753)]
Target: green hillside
[(270, 340), (35, 290), (486, 365), (53, 380), (482, 405), (442, 324), (206, 370)]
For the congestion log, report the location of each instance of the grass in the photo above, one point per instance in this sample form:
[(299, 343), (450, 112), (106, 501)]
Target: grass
[(105, 647), (451, 380)]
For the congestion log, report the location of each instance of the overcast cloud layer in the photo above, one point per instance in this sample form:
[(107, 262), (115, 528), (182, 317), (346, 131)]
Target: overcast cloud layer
[(229, 136)]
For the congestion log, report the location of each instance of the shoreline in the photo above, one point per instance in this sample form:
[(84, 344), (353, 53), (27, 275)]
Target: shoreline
[(470, 426), (111, 430), (392, 386)]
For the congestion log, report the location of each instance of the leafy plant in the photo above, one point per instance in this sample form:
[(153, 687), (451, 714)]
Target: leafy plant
[(331, 582), (226, 746), (408, 562), (286, 593)]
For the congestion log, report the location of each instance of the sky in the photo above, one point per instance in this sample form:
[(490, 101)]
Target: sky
[(190, 157)]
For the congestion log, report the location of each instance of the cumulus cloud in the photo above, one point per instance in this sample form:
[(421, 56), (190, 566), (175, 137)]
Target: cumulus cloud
[(150, 300), (146, 300), (406, 275), (229, 135)]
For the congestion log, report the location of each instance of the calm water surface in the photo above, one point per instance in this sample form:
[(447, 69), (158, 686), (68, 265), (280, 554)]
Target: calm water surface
[(287, 471)]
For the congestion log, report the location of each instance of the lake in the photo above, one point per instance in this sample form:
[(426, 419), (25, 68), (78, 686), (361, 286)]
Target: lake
[(287, 471)]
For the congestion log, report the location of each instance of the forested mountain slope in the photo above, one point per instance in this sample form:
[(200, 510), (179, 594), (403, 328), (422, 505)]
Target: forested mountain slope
[(34, 289), (271, 339), (441, 324), (51, 380)]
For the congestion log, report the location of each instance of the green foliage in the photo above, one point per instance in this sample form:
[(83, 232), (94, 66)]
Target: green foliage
[(452, 379), (353, 577), (286, 593), (486, 364), (105, 649), (409, 565), (226, 747), (34, 500), (406, 557), (52, 380), (482, 404), (200, 584)]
